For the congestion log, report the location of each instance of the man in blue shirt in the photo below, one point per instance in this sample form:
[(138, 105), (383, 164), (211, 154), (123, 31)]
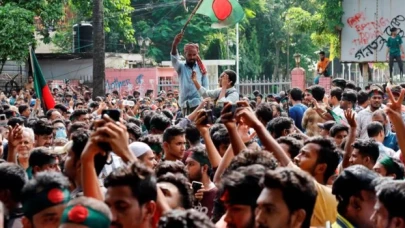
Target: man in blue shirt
[(189, 97), (296, 112)]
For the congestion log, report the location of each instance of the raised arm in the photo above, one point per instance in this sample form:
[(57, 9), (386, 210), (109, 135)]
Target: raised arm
[(351, 119), (248, 117), (176, 42), (394, 113)]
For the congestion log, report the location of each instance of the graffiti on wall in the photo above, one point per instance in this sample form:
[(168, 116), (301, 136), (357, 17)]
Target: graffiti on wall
[(130, 80), (367, 25)]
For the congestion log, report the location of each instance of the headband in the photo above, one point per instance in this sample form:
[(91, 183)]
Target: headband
[(81, 215), (45, 199), (388, 164), (375, 92), (240, 196)]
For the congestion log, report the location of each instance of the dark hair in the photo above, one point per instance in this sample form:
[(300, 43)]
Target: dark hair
[(336, 92), (153, 141), (9, 113), (277, 125), (367, 148), (318, 92), (76, 126), (171, 132), (41, 156), (242, 186), (42, 128), (22, 108), (159, 122), (392, 195), (43, 181), (13, 121), (168, 114), (182, 184), (362, 97), (140, 179), (264, 112), (219, 135), (322, 53), (296, 94), (49, 113), (351, 85), (351, 182), (232, 76), (147, 118), (374, 128), (134, 129), (58, 121), (201, 152), (350, 95), (338, 128), (192, 134), (13, 178), (297, 187), (294, 145), (76, 114), (170, 167), (249, 157), (138, 122), (61, 107), (185, 219), (328, 154), (77, 104)]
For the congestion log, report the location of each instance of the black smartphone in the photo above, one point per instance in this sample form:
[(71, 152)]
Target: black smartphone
[(209, 119), (114, 114), (196, 186)]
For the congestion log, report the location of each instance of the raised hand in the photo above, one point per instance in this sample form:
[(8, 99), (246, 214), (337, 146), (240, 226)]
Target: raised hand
[(178, 38), (395, 104), (201, 123), (351, 118), (227, 117), (194, 76)]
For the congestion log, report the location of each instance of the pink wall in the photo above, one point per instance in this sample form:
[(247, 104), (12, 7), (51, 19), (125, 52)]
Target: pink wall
[(140, 79)]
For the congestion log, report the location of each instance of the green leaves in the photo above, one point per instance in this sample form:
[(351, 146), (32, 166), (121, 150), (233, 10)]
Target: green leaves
[(16, 32)]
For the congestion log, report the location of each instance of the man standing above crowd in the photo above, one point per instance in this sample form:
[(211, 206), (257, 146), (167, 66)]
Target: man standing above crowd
[(189, 96)]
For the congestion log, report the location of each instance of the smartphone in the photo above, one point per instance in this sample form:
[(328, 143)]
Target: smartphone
[(114, 114), (196, 186), (2, 117), (209, 119)]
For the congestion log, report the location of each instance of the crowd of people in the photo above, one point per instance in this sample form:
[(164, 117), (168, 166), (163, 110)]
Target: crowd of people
[(196, 157)]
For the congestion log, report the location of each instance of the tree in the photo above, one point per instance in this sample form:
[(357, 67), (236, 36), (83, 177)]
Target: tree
[(47, 12), (16, 32), (98, 49)]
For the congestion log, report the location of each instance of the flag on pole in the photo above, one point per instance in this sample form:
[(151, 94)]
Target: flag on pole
[(41, 88), (223, 13)]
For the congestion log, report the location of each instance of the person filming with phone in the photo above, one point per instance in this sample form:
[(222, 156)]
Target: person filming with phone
[(226, 93)]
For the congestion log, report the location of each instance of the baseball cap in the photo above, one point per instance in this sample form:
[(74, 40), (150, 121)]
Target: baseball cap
[(327, 125), (139, 148)]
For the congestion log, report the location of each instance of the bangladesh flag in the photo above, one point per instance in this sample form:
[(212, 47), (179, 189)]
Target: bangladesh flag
[(223, 13), (41, 88)]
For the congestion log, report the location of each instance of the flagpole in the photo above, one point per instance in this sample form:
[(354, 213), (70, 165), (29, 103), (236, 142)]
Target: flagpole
[(191, 15), (237, 56), (33, 76)]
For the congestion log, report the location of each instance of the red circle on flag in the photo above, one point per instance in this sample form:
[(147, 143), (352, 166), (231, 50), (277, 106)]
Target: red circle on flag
[(78, 214), (56, 195)]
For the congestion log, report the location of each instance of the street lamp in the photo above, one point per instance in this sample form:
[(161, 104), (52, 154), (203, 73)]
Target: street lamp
[(297, 58), (143, 45)]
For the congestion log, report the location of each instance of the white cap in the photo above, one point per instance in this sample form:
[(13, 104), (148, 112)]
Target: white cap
[(139, 148)]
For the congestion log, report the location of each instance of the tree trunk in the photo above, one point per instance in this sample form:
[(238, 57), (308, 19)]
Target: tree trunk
[(98, 49)]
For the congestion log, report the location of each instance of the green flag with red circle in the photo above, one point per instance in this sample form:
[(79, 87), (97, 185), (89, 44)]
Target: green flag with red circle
[(223, 13), (41, 88)]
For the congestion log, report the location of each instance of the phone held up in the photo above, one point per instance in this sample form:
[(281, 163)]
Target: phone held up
[(114, 114), (196, 186)]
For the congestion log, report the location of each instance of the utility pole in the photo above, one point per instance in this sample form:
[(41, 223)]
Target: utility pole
[(98, 49)]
